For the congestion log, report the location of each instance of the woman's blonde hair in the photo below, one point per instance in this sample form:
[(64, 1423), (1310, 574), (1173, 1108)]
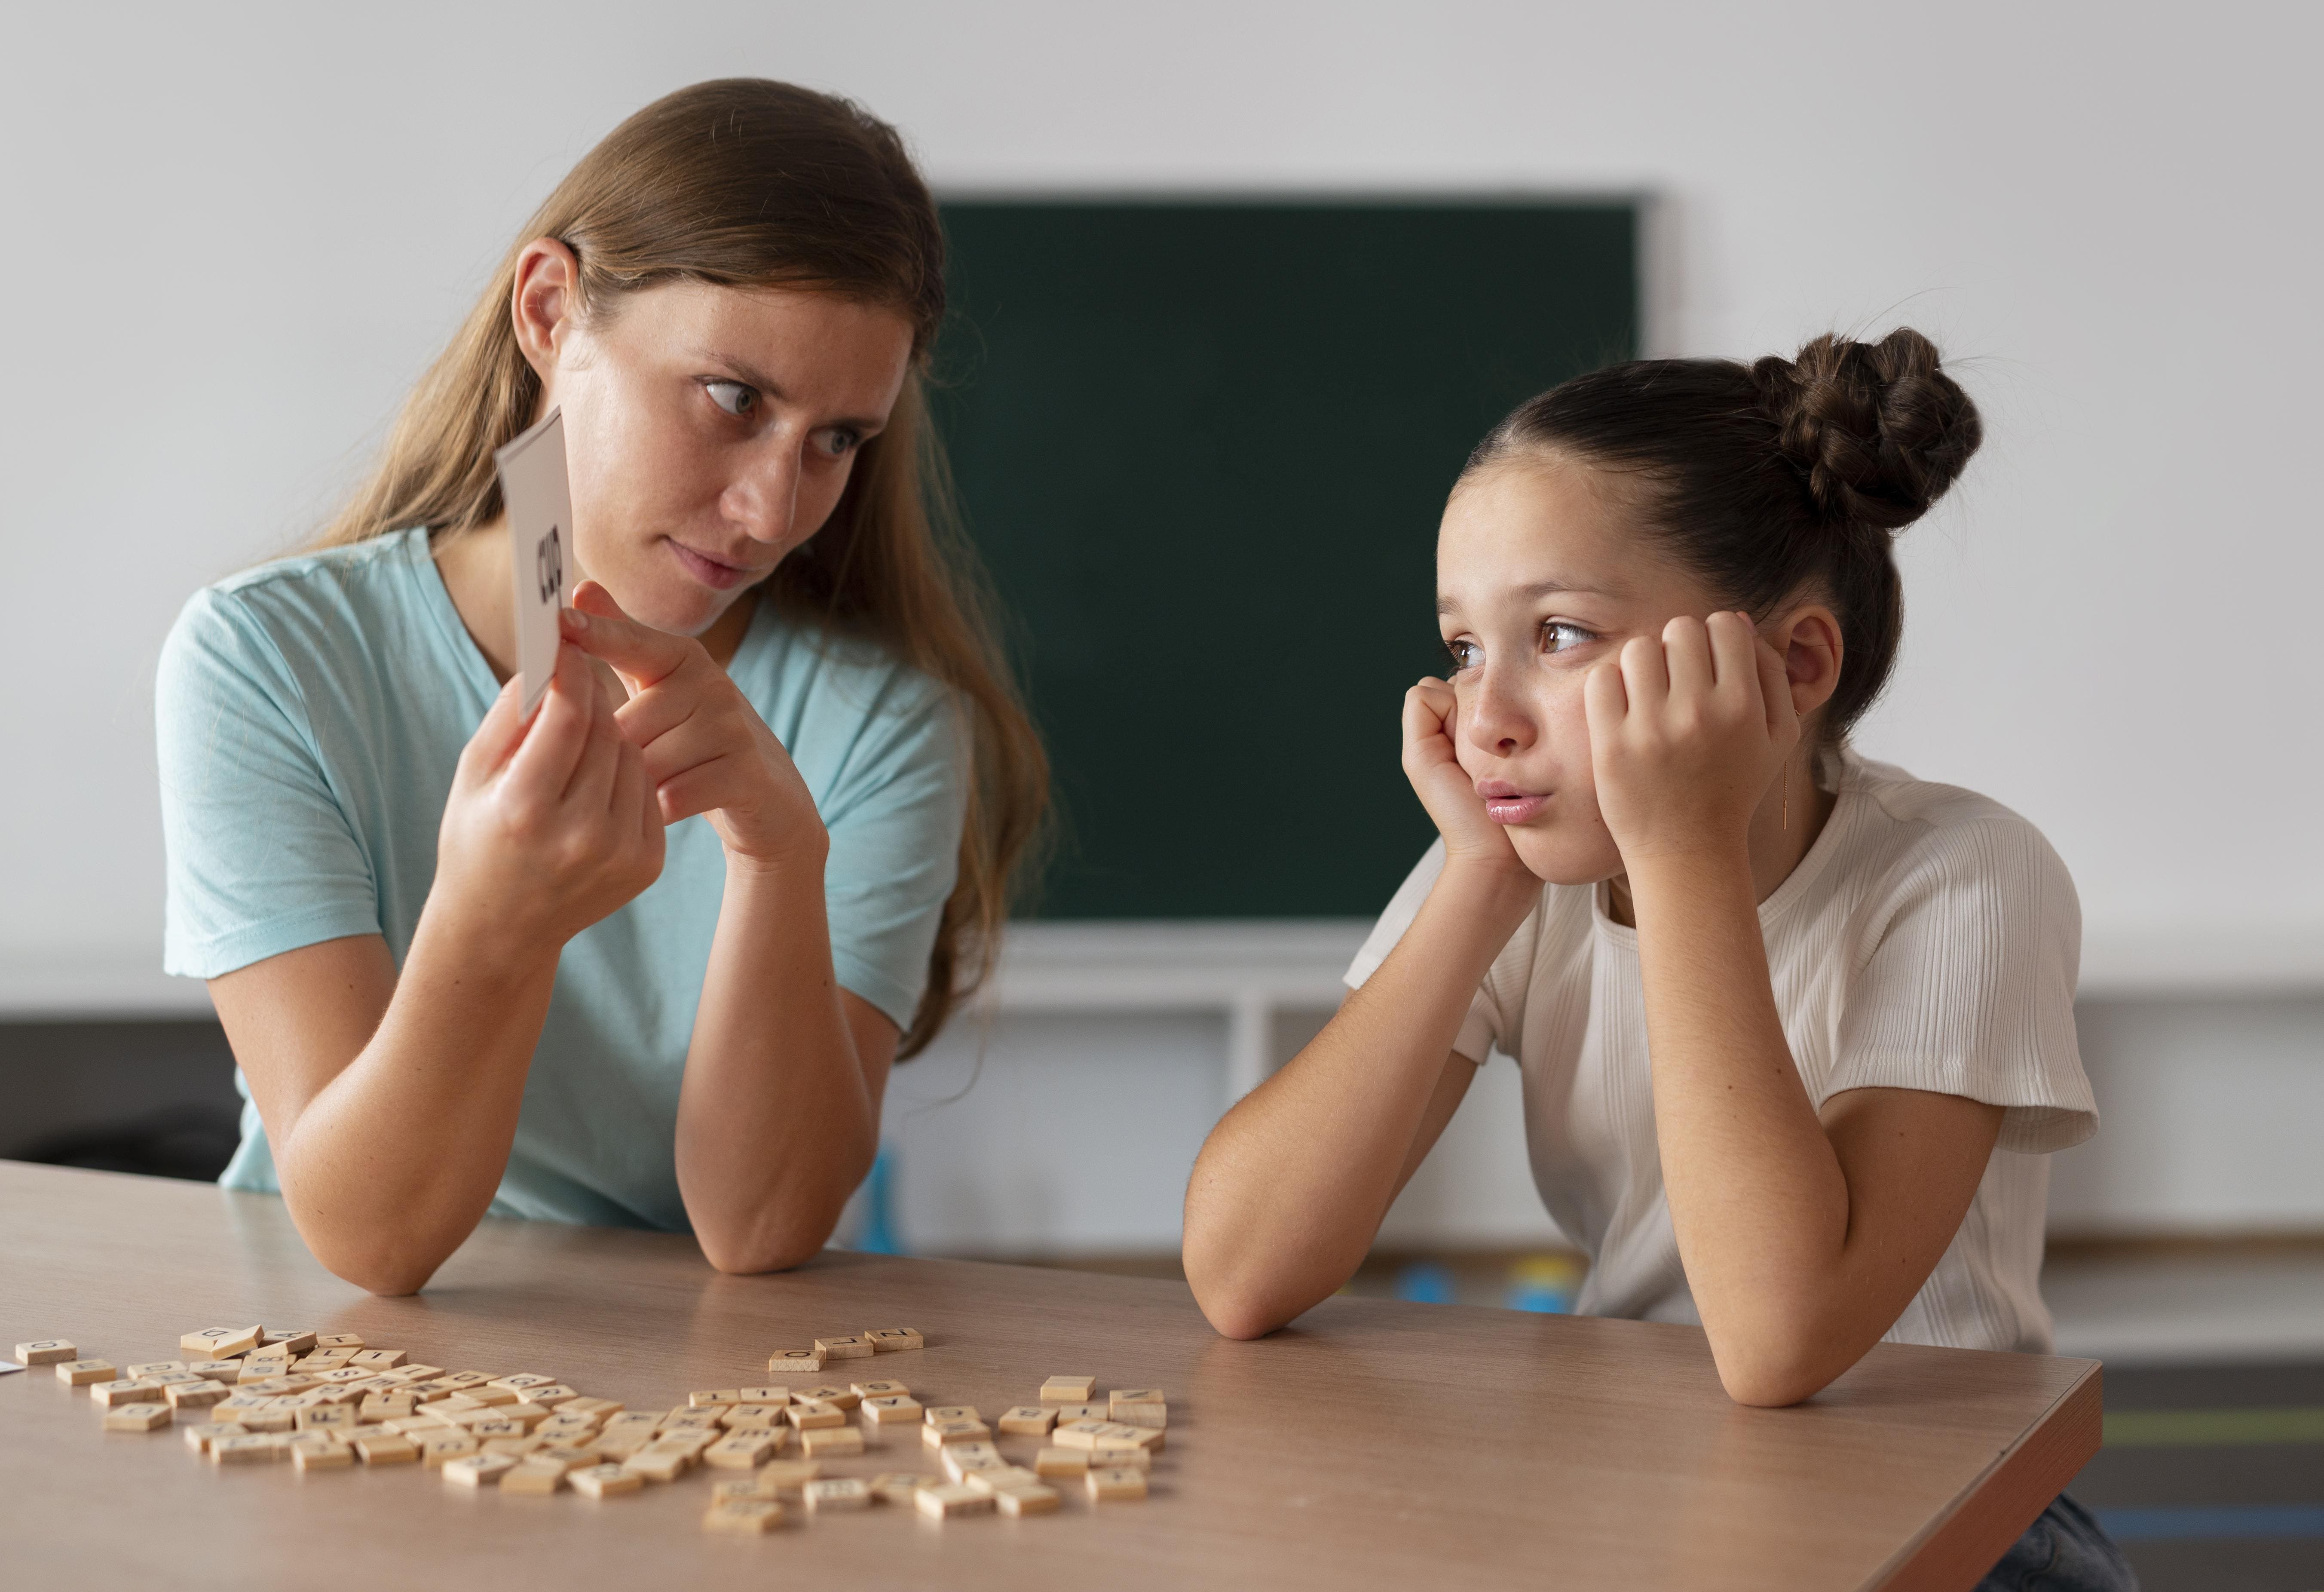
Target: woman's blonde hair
[(743, 183)]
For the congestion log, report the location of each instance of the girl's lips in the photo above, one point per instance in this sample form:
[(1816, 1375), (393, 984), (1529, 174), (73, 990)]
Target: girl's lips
[(709, 571), (1514, 808)]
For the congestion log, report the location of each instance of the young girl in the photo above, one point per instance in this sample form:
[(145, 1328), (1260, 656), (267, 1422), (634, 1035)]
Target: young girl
[(1775, 1007), (645, 960)]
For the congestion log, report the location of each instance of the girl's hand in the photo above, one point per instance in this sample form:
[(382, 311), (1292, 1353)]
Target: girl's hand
[(549, 826), (1685, 736), (706, 749), (1444, 787)]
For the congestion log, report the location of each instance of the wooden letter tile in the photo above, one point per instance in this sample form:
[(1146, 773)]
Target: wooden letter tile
[(1070, 1462), (861, 1390), (45, 1351), (897, 1486), (951, 1501), (823, 1442), (888, 1339), (82, 1372), (1068, 1390), (1029, 1419), (218, 1342), (756, 1516), (604, 1481), (137, 1418), (1116, 1486), (853, 1347), (802, 1364), (879, 1411), (477, 1470), (533, 1478), (1036, 1499), (838, 1492)]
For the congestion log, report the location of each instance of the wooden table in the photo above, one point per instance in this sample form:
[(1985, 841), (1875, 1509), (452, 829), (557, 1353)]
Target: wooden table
[(1373, 1444)]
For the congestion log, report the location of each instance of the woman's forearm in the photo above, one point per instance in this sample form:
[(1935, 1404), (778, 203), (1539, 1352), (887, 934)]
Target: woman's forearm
[(778, 1118), (1290, 1187), (388, 1169)]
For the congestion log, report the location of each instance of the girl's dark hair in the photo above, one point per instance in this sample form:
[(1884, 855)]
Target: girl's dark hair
[(1783, 479)]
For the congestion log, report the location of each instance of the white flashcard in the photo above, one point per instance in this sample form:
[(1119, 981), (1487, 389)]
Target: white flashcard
[(540, 503)]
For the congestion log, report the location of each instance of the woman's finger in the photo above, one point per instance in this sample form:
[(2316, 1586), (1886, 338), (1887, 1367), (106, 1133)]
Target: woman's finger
[(496, 733), (652, 713), (642, 654), (560, 729), (592, 784)]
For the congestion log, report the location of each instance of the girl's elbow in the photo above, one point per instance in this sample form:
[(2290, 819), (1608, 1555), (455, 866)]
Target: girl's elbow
[(1232, 1309), (1769, 1376)]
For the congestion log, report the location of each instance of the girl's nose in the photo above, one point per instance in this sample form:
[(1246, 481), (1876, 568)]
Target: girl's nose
[(1495, 719)]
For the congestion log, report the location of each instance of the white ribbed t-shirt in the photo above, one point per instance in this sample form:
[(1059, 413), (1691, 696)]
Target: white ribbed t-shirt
[(1930, 940)]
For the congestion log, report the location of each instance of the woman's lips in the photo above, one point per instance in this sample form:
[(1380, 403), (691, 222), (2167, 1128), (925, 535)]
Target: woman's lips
[(709, 570), (1506, 804)]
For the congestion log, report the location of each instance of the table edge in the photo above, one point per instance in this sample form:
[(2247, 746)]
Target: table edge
[(1952, 1551)]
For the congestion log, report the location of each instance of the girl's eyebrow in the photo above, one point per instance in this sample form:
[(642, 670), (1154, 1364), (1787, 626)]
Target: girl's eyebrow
[(1536, 590)]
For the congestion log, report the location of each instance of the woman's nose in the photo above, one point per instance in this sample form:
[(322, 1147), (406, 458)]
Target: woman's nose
[(764, 501)]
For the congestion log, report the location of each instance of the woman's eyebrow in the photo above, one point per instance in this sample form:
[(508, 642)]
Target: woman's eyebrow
[(868, 425), (1535, 591)]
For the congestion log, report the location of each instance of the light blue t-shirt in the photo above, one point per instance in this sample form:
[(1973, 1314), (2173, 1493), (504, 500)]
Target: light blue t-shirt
[(311, 715)]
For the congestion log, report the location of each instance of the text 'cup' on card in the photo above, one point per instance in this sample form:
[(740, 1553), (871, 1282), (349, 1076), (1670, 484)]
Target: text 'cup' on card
[(537, 497)]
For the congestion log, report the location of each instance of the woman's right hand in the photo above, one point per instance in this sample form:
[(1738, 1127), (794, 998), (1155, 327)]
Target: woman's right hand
[(551, 826), (1443, 786)]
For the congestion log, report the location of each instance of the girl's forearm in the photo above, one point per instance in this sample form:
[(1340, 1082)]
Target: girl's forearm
[(389, 1167), (1758, 1197), (1290, 1189), (778, 1119)]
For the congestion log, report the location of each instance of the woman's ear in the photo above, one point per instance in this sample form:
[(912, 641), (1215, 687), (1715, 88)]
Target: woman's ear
[(546, 303), (1809, 640)]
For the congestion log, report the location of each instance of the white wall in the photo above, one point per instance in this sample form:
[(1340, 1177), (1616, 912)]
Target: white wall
[(235, 235), (237, 232)]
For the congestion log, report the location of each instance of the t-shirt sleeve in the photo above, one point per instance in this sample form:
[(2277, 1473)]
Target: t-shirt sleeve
[(895, 817), (1482, 1026), (260, 856), (1968, 988)]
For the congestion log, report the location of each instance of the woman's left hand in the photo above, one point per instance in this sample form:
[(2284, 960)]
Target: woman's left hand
[(706, 749), (1686, 733)]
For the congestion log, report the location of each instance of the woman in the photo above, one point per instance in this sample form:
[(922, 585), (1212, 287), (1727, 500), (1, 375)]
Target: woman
[(647, 958)]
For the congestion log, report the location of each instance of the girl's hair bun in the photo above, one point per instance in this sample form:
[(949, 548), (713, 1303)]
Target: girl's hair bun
[(1877, 428)]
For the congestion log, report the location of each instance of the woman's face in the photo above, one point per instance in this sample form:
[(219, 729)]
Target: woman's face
[(1541, 575), (710, 431)]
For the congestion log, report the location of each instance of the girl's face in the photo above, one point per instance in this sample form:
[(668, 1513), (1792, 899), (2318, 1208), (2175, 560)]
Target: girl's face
[(1541, 575), (711, 430)]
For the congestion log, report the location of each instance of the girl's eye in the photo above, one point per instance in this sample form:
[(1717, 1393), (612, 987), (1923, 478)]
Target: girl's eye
[(1558, 635), (1463, 652), (733, 397), (839, 442)]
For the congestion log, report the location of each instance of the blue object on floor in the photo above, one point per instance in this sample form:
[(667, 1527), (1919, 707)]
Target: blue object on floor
[(1544, 1284), (1422, 1283), (878, 1235)]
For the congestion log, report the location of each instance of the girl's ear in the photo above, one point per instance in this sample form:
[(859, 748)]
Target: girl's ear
[(548, 293), (1809, 640)]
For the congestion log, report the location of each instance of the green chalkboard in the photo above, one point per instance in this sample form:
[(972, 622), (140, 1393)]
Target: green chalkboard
[(1202, 449)]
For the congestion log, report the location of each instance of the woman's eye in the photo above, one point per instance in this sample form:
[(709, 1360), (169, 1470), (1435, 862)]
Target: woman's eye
[(733, 397), (1558, 635), (1463, 654), (840, 442)]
